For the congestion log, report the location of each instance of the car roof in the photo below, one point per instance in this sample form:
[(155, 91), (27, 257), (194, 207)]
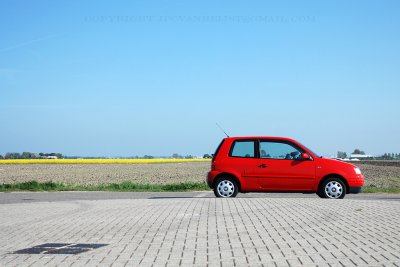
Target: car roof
[(260, 137)]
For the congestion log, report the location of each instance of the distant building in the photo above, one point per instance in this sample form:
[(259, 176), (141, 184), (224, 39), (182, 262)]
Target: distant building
[(360, 157)]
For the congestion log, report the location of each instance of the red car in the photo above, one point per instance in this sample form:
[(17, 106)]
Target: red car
[(277, 164)]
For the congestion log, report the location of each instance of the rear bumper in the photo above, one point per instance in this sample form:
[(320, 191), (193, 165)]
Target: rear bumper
[(354, 189), (210, 178)]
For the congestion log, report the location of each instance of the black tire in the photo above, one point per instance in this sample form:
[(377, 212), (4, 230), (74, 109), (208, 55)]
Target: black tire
[(226, 187), (332, 188)]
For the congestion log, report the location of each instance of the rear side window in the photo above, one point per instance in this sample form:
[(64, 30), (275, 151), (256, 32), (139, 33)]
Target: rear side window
[(244, 149)]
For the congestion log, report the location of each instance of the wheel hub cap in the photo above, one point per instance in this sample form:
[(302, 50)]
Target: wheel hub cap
[(333, 189), (226, 188)]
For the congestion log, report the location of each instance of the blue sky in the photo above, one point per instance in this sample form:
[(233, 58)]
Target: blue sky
[(123, 78)]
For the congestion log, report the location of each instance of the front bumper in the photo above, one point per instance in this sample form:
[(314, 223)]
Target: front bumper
[(356, 184), (355, 189)]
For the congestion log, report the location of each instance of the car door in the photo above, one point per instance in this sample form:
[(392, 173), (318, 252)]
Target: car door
[(281, 168), (242, 159)]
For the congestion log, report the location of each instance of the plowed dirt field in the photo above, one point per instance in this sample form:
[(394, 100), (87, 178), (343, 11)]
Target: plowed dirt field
[(376, 174)]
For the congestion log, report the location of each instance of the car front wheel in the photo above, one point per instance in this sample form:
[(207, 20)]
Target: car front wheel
[(225, 187), (332, 188)]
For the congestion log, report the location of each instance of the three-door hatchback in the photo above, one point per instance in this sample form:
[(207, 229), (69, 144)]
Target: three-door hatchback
[(277, 164)]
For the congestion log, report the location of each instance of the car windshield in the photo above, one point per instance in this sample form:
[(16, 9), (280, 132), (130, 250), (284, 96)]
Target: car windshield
[(311, 151)]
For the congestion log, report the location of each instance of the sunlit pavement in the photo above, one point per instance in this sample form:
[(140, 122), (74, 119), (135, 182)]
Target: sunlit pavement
[(196, 229)]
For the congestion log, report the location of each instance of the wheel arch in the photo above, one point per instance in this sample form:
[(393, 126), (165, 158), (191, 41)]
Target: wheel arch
[(334, 175), (230, 175)]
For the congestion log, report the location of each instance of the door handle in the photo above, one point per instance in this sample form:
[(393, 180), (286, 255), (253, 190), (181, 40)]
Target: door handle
[(262, 166)]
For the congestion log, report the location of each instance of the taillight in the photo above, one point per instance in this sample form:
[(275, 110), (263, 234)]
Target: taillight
[(212, 165), (214, 156)]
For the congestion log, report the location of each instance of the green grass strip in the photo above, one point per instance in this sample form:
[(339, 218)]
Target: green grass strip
[(366, 189), (126, 186)]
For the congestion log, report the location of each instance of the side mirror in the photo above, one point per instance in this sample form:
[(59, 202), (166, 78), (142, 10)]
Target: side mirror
[(305, 156)]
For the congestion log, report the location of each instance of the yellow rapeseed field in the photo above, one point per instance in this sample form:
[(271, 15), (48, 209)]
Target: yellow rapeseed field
[(98, 161)]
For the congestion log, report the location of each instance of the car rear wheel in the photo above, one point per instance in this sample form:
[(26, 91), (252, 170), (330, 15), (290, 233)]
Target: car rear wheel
[(225, 187), (332, 188)]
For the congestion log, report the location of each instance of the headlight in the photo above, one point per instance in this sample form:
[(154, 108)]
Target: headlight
[(357, 170)]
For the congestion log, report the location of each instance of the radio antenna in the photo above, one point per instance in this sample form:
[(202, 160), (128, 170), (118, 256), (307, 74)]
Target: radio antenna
[(222, 129)]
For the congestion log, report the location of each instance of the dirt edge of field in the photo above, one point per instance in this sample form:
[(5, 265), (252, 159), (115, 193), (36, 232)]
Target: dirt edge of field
[(378, 174)]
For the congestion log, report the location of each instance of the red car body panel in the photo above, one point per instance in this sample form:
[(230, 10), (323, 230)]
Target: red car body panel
[(280, 175)]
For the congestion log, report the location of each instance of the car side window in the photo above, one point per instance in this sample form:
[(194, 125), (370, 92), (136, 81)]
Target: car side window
[(278, 150), (243, 149)]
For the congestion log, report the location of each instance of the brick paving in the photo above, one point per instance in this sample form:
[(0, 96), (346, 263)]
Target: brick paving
[(205, 232)]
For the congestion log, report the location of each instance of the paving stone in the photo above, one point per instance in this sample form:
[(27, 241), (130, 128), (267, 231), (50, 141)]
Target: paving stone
[(206, 232)]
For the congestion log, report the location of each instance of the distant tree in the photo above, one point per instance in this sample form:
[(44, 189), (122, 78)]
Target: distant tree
[(388, 156), (189, 157), (28, 155), (206, 156), (1, 157), (148, 157), (13, 155), (176, 156), (341, 155), (358, 151)]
